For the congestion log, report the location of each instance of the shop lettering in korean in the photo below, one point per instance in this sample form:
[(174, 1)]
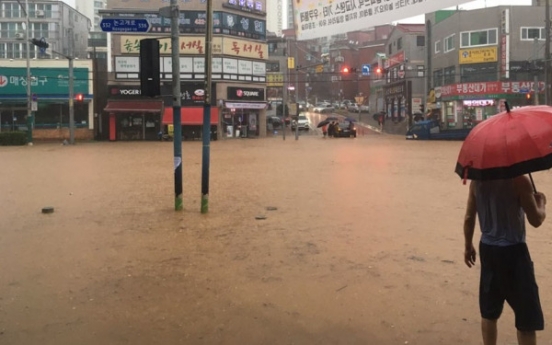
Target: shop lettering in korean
[(396, 90), (124, 91), (315, 18), (251, 6), (245, 94), (194, 22), (495, 89), (47, 81), (191, 94), (478, 55)]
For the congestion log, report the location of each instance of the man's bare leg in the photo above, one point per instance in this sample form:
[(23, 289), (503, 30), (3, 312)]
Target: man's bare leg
[(527, 337), (489, 330)]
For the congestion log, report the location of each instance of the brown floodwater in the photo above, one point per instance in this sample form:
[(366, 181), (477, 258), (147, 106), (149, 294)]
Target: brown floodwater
[(365, 246)]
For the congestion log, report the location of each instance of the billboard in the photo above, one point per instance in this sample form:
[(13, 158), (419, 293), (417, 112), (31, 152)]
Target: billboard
[(321, 18)]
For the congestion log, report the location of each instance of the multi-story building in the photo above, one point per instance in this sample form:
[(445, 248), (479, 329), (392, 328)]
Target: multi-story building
[(481, 58), (91, 8), (238, 70), (60, 26), (398, 89), (289, 12), (275, 16)]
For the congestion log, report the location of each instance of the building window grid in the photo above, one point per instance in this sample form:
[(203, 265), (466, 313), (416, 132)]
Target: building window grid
[(530, 33), (478, 38), (449, 43), (399, 43)]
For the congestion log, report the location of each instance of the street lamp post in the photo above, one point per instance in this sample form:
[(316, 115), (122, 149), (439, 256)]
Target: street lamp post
[(30, 121)]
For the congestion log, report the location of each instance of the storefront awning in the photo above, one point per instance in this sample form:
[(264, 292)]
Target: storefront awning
[(190, 116), (135, 106), (244, 105)]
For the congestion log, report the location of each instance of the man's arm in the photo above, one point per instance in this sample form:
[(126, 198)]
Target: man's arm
[(469, 227), (532, 203)]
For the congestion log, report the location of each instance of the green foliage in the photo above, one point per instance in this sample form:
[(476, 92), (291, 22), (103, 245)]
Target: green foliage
[(13, 138)]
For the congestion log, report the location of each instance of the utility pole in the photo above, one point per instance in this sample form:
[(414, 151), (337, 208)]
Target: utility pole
[(285, 91), (29, 95), (207, 111), (177, 121), (547, 71), (70, 57), (535, 74)]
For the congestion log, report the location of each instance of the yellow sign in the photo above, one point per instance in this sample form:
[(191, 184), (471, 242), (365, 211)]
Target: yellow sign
[(319, 68), (274, 79), (291, 63), (195, 45), (478, 55)]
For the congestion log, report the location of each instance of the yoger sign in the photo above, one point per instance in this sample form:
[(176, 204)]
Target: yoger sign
[(320, 18)]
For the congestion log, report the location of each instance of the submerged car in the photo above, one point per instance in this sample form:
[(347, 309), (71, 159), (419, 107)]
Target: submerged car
[(302, 123), (346, 129)]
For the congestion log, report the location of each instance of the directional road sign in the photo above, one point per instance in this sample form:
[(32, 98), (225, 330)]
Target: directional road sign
[(366, 70), (125, 25)]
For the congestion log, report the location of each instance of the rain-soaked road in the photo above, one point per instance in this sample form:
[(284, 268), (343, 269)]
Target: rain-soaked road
[(364, 248)]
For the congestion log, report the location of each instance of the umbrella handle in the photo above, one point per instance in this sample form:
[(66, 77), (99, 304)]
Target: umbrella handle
[(532, 183)]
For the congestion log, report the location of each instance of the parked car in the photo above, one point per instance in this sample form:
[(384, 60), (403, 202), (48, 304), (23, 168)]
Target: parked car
[(346, 129), (353, 107), (302, 123), (323, 108), (364, 108)]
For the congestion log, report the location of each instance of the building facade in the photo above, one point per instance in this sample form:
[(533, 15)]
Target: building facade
[(275, 16), (91, 8), (239, 68), (481, 58), (59, 25), (398, 74), (55, 21)]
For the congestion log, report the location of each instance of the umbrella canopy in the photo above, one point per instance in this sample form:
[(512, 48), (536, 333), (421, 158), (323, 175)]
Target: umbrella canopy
[(509, 144), (322, 123)]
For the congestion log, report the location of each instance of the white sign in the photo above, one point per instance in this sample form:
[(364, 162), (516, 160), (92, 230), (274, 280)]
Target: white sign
[(217, 65), (127, 64), (259, 68), (245, 67), (230, 66), (199, 65), (320, 18), (186, 64), (235, 105)]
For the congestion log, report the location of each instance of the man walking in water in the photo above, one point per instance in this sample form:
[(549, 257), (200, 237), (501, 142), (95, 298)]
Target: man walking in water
[(506, 268)]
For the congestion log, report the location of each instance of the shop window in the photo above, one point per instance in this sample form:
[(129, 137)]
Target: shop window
[(438, 78), (530, 33), (399, 43), (449, 75), (420, 41), (478, 38), (478, 72)]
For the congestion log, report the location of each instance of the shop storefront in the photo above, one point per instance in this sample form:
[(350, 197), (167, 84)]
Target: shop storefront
[(466, 104), (397, 104), (130, 116), (243, 112)]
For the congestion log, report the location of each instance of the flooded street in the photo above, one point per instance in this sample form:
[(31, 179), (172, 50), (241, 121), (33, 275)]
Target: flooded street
[(365, 247)]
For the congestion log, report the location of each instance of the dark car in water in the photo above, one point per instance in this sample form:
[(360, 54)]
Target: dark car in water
[(346, 129)]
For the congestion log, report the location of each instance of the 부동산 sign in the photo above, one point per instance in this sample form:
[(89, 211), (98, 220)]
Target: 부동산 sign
[(46, 81), (321, 18)]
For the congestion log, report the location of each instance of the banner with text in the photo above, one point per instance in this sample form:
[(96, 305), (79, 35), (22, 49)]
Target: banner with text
[(321, 18)]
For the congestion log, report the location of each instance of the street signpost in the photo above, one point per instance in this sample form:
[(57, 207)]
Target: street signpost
[(125, 25), (366, 70)]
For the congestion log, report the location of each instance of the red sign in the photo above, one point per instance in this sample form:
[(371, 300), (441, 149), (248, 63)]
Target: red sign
[(395, 60), (488, 88)]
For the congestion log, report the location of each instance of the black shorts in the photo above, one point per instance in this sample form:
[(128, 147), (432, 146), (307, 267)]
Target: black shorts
[(507, 274)]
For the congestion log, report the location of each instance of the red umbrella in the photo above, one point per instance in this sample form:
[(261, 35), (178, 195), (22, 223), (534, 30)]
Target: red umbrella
[(507, 145)]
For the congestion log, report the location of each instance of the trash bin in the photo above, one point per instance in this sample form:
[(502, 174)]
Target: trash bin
[(243, 131)]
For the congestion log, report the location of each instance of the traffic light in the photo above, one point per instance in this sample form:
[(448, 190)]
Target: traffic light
[(40, 43), (79, 97), (349, 69), (150, 79)]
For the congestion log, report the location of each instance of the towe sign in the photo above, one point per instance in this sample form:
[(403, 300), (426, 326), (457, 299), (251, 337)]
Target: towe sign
[(315, 18), (245, 94)]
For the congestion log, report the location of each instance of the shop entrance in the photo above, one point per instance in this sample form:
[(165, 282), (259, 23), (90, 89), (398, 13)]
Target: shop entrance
[(240, 123)]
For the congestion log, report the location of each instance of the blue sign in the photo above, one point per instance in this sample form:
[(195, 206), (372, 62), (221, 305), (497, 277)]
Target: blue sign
[(366, 69), (125, 25)]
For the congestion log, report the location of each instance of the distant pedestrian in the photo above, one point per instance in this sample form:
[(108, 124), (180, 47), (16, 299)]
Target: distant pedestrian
[(331, 129), (325, 130)]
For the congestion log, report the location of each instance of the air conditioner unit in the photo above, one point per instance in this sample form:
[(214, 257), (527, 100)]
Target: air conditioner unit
[(20, 36), (40, 13)]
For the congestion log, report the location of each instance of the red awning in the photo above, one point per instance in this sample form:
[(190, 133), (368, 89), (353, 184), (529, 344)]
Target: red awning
[(190, 116), (136, 106)]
